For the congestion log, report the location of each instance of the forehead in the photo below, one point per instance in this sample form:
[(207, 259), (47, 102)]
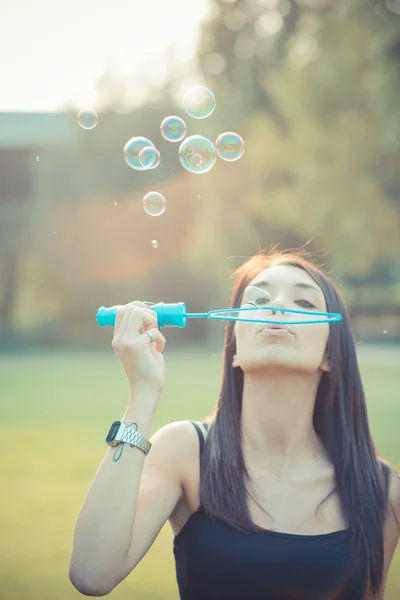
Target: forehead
[(284, 275)]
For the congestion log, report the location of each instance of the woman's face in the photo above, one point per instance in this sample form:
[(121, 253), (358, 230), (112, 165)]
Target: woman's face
[(301, 347)]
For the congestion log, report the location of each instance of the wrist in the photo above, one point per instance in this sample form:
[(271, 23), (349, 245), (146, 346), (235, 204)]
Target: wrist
[(141, 408), (144, 396)]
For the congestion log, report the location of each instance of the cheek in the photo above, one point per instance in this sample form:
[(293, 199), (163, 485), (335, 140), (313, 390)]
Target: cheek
[(243, 334), (313, 336)]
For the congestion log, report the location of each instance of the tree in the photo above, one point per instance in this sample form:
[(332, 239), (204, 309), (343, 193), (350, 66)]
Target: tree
[(322, 145)]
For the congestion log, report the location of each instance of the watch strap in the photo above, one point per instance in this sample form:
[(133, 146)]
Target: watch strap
[(133, 437)]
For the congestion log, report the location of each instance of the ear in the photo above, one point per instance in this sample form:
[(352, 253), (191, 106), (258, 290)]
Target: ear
[(235, 362), (325, 364)]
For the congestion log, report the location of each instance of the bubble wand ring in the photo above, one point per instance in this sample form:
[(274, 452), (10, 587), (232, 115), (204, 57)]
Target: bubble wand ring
[(330, 317)]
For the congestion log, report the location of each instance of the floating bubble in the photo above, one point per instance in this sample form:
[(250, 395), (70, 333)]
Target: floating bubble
[(256, 296), (199, 102), (253, 297), (154, 204), (197, 154), (229, 146), (87, 118), (173, 129), (149, 157), (154, 243), (132, 149)]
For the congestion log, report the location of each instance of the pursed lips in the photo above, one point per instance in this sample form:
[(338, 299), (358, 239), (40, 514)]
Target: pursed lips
[(273, 326)]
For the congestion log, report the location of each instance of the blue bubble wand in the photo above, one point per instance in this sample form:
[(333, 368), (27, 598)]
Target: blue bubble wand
[(175, 315)]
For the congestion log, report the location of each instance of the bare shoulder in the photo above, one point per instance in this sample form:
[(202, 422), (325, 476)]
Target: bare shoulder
[(180, 431), (179, 441)]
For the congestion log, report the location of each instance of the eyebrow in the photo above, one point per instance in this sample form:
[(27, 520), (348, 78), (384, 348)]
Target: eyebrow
[(305, 286)]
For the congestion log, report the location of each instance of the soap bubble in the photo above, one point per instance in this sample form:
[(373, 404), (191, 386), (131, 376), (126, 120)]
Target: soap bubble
[(154, 204), (87, 118), (173, 129), (199, 102), (132, 149), (154, 243), (255, 296), (197, 154), (149, 157), (229, 146)]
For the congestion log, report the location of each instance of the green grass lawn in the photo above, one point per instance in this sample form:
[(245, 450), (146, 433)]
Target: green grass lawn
[(55, 410)]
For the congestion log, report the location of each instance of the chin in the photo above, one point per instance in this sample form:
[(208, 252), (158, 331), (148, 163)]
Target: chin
[(280, 361)]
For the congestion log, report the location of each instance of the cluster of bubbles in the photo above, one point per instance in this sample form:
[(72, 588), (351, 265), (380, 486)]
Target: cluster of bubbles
[(197, 154)]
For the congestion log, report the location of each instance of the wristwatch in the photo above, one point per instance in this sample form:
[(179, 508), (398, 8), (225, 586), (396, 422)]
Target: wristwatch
[(122, 432)]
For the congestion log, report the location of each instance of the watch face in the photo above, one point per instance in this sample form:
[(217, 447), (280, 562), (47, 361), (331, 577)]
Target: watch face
[(113, 431)]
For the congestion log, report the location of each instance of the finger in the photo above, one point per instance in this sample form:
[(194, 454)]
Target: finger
[(125, 309), (137, 320), (145, 306), (130, 321), (158, 339)]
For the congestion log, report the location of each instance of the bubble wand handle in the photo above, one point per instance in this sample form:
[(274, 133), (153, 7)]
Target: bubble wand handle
[(168, 315), (174, 315)]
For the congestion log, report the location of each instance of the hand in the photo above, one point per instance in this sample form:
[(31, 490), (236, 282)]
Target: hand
[(141, 358)]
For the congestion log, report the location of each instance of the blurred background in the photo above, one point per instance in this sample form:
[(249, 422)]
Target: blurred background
[(313, 87)]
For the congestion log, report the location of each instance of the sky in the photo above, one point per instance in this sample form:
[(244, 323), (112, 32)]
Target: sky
[(53, 51)]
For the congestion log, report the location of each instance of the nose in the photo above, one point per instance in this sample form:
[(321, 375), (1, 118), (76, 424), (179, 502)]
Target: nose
[(278, 304)]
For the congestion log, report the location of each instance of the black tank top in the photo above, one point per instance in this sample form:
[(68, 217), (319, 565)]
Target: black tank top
[(217, 562)]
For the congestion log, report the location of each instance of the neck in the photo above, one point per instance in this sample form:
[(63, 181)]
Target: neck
[(276, 421)]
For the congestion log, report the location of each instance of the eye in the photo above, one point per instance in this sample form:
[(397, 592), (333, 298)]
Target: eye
[(307, 302), (261, 301)]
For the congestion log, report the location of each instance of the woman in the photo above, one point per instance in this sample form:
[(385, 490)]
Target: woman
[(280, 494)]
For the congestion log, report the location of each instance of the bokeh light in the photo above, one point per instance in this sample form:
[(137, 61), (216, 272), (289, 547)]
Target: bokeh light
[(270, 23), (214, 63), (235, 20), (244, 47)]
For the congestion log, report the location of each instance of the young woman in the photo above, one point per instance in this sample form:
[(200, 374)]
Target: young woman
[(280, 493)]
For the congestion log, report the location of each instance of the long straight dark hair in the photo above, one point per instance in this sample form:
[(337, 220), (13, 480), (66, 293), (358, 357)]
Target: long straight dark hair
[(340, 420)]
